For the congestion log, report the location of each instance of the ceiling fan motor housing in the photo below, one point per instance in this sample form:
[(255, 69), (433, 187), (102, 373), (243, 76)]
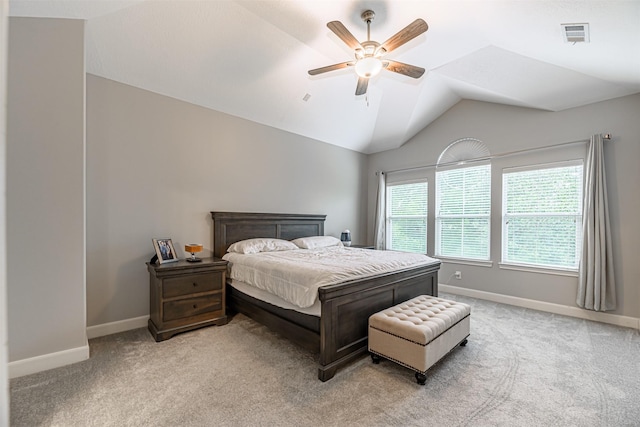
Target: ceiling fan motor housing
[(369, 49)]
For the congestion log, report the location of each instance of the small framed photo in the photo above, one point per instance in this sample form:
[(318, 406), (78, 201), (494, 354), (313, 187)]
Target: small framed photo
[(165, 250)]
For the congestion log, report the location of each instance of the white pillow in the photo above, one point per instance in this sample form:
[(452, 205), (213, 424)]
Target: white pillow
[(253, 246), (313, 242)]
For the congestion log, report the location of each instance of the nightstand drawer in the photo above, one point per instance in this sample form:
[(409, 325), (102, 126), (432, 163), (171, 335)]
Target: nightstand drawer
[(191, 307), (191, 284)]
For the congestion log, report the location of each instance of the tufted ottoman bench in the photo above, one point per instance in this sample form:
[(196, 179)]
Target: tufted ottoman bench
[(419, 332)]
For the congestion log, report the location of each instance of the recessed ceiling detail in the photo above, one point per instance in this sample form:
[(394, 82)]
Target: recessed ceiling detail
[(249, 59)]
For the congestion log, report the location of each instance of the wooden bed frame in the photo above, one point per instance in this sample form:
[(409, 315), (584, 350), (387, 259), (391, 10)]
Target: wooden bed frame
[(341, 334)]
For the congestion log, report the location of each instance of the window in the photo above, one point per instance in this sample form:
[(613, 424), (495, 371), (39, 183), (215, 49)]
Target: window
[(463, 212), (542, 215), (407, 217)]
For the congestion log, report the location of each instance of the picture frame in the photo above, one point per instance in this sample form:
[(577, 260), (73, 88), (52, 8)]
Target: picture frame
[(165, 250)]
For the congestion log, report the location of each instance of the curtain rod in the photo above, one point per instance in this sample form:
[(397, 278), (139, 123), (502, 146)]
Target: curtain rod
[(606, 136)]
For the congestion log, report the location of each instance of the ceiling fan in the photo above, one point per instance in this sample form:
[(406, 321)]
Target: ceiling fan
[(368, 54)]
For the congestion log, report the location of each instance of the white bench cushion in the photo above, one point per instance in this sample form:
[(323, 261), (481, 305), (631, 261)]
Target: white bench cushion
[(420, 319), (419, 332)]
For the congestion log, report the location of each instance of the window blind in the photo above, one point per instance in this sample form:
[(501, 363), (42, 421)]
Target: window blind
[(407, 217), (542, 216), (463, 212)]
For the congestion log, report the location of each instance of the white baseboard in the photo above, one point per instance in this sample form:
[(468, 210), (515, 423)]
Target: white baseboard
[(612, 319), (45, 362), (115, 327)]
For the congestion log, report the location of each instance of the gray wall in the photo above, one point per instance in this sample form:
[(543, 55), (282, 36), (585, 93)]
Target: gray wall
[(4, 352), (45, 187), (157, 166), (506, 129)]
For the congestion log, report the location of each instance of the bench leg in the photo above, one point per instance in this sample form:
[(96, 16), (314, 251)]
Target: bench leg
[(375, 358), (421, 378), (463, 343)]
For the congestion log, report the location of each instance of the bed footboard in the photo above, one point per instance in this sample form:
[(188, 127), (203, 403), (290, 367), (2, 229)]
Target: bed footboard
[(346, 309)]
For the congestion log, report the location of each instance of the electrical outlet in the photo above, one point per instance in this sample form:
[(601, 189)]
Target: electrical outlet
[(458, 275)]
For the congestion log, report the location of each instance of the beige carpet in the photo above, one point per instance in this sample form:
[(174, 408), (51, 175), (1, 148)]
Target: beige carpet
[(521, 368)]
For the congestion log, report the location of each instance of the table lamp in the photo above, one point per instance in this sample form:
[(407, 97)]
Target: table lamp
[(345, 237), (193, 249)]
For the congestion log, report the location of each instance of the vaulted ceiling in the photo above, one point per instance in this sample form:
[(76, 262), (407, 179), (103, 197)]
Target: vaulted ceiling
[(250, 58)]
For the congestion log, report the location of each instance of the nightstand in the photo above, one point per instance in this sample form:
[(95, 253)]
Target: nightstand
[(186, 296)]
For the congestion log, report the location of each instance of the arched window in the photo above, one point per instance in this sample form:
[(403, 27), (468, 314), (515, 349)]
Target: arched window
[(463, 201)]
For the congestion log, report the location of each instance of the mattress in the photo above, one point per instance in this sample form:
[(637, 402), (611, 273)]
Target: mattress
[(295, 275), (272, 299)]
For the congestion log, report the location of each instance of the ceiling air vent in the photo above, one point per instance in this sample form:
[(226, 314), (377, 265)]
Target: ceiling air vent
[(575, 33)]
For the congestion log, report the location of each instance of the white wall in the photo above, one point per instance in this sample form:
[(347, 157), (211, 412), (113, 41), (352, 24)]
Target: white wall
[(157, 167), (45, 192), (505, 129), (4, 352)]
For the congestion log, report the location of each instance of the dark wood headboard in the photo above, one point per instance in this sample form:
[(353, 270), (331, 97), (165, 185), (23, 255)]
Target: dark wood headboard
[(231, 227)]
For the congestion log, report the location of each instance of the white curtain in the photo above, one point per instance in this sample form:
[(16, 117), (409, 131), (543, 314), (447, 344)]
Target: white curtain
[(381, 213), (596, 286)]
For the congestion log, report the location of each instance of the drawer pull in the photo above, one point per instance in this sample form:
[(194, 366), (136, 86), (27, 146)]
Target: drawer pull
[(195, 284), (195, 306)]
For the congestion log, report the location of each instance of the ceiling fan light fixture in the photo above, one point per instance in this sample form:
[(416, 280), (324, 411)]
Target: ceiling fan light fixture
[(368, 67)]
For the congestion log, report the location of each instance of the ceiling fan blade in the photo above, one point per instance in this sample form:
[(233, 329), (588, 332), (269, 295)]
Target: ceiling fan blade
[(409, 32), (361, 88), (406, 69), (331, 68), (344, 34)]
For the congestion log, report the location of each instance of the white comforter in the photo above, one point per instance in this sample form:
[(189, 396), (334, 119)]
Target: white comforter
[(296, 275)]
